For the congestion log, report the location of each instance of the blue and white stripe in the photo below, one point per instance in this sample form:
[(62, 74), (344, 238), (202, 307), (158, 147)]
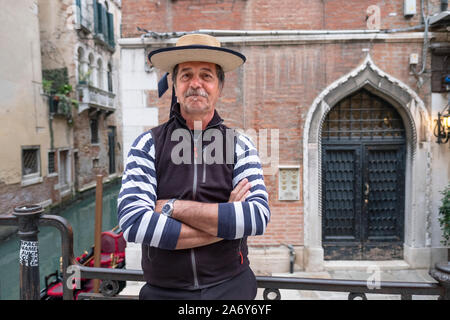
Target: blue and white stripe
[(249, 218), (137, 200)]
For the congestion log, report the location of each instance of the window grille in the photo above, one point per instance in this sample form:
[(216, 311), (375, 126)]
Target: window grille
[(363, 116), (51, 162), (30, 161)]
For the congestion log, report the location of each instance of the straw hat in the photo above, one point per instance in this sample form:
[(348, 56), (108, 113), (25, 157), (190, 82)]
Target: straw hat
[(196, 47)]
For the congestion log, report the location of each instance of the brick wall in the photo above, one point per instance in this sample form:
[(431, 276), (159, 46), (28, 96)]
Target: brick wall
[(281, 84), (86, 168), (188, 15), (14, 195)]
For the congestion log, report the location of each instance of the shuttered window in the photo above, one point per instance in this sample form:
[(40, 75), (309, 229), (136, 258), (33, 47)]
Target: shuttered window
[(110, 19), (104, 24), (97, 17)]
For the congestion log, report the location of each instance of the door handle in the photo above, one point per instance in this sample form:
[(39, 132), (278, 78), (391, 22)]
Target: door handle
[(366, 192)]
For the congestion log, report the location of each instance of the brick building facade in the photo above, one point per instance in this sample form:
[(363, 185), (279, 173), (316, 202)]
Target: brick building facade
[(305, 58)]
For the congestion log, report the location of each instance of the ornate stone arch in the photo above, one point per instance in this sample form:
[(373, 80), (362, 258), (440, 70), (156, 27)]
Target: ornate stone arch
[(417, 123)]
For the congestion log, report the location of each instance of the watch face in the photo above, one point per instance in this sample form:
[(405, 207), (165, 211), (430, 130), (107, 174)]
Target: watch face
[(166, 209)]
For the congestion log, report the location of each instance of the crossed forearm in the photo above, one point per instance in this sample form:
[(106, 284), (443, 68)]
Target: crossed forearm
[(200, 220)]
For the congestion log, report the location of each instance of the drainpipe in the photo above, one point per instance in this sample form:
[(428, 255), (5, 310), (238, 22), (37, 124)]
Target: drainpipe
[(417, 74)]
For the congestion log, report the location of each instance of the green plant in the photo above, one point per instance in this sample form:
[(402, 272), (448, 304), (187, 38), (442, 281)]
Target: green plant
[(444, 215), (47, 86), (65, 105), (54, 79), (65, 89)]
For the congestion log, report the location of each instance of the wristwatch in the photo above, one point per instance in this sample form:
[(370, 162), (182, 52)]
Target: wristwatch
[(167, 208)]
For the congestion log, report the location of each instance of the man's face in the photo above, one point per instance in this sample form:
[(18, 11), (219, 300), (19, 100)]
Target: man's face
[(197, 88)]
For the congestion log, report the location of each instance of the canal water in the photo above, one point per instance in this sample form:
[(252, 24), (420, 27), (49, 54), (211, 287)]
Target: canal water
[(81, 216)]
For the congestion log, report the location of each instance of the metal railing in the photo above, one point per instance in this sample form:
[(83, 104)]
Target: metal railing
[(29, 218)]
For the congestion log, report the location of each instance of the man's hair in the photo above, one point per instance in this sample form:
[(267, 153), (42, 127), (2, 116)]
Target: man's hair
[(219, 72)]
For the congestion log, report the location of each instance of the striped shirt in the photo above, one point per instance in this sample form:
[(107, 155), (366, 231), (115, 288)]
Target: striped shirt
[(137, 199)]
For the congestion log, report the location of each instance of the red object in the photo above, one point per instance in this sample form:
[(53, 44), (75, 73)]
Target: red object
[(56, 290), (113, 247), (112, 253)]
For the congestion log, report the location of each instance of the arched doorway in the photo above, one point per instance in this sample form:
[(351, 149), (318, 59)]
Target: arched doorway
[(363, 143), (417, 193)]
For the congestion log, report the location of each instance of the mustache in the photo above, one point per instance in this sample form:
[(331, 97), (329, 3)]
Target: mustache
[(195, 92)]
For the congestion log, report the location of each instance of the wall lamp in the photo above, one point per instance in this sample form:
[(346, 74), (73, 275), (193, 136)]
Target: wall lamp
[(442, 128)]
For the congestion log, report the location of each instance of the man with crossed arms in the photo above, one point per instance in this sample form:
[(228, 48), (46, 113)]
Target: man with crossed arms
[(193, 218)]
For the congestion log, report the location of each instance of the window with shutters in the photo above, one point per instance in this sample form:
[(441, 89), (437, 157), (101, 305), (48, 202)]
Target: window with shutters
[(103, 25), (83, 18)]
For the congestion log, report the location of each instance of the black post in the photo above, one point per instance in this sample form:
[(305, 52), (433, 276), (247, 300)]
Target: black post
[(28, 219), (441, 273)]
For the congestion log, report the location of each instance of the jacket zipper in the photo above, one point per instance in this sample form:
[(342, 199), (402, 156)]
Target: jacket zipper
[(194, 193), (194, 183)]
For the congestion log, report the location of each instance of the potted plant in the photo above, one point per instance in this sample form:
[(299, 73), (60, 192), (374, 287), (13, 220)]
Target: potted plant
[(65, 102), (444, 217)]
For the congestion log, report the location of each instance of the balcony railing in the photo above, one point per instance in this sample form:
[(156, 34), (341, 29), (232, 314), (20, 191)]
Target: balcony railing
[(92, 97), (29, 218)]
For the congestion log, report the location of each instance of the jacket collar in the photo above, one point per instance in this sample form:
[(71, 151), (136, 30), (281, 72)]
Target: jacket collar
[(176, 113)]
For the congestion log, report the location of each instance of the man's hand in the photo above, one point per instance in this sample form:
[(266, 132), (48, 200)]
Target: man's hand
[(241, 191)]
